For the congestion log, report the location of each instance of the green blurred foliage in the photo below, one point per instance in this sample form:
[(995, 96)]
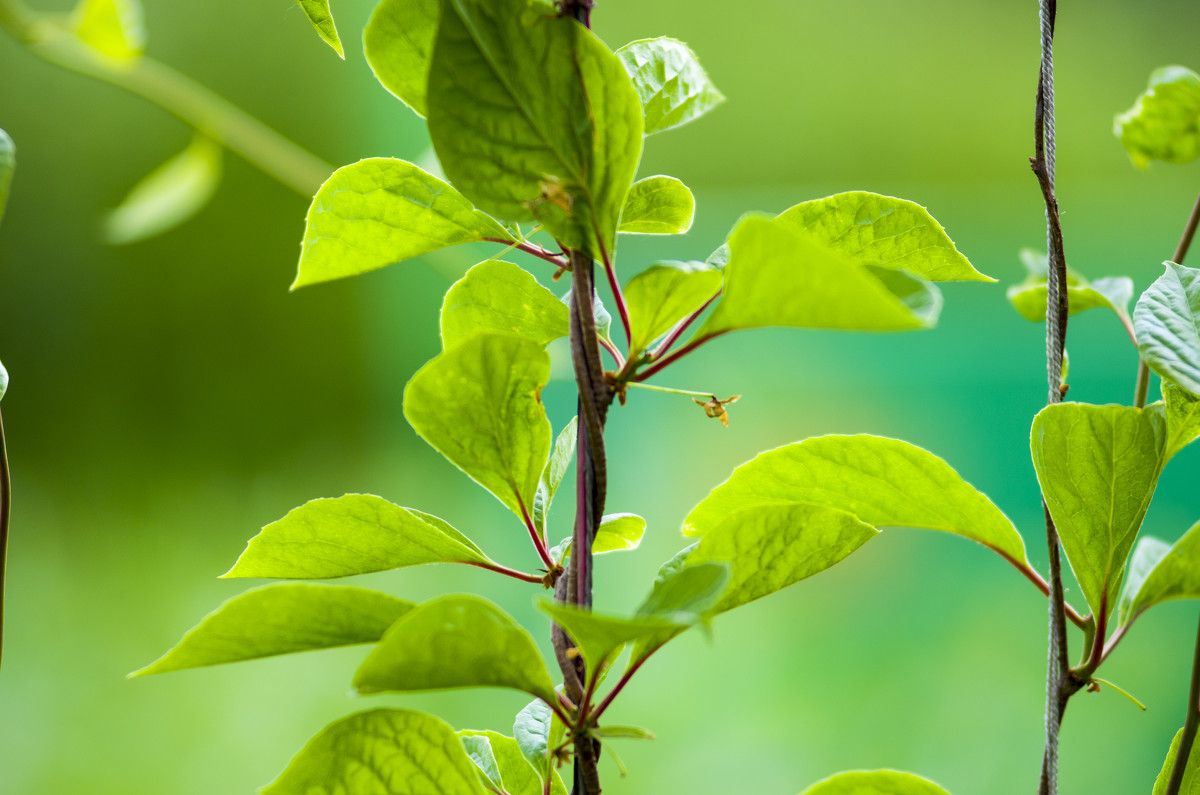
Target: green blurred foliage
[(171, 397)]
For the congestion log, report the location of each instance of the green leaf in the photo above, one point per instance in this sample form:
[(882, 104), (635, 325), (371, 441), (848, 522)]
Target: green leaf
[(1182, 412), (1029, 297), (1164, 123), (479, 748), (398, 43), (773, 546), (1098, 466), (884, 231), (1166, 321), (8, 164), (319, 15), (112, 28), (167, 196), (552, 475), (500, 296), (3, 381), (673, 87), (534, 118), (479, 404), (380, 211), (618, 532), (600, 638), (381, 752), (658, 206), (453, 642), (538, 732), (663, 294), (513, 772), (282, 619), (623, 732), (1147, 554), (684, 594), (1174, 573), (1190, 783), (778, 275), (875, 782), (884, 482)]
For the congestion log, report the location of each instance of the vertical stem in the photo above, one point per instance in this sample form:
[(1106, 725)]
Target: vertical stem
[(5, 511), (1189, 727), (1142, 389)]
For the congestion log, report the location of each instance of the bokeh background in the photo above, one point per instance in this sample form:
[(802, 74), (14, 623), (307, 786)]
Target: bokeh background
[(170, 397)]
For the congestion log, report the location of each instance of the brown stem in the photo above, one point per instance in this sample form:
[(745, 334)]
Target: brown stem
[(1191, 723), (532, 249)]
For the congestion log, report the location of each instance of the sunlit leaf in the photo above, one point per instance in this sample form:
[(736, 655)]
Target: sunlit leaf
[(538, 732), (552, 475), (673, 87), (1164, 123), (112, 28), (1182, 412), (658, 206), (167, 196), (398, 42), (500, 296), (875, 782), (1029, 297), (8, 164), (663, 294), (282, 619), (319, 15), (1175, 574), (514, 774), (1167, 323), (617, 532)]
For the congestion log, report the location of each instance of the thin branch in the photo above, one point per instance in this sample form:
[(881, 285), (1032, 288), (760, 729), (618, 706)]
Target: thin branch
[(533, 249), (618, 359), (538, 543), (676, 356), (1034, 577), (617, 688), (1189, 727), (516, 575), (681, 327), (618, 298), (1141, 389)]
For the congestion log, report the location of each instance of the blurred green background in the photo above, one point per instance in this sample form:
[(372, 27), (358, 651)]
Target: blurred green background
[(171, 397)]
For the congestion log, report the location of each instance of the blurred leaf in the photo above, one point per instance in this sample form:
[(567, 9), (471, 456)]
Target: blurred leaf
[(453, 642), (367, 752), (663, 294), (398, 43), (1174, 573), (500, 296), (8, 164), (681, 593), (1182, 412), (1167, 323), (479, 749), (552, 475), (167, 196), (875, 782), (112, 28), (1190, 784), (3, 381), (533, 118), (658, 206), (623, 732), (673, 87), (773, 546), (1164, 123), (537, 732), (514, 775), (1147, 553), (884, 482), (884, 231), (780, 276), (1029, 297), (380, 211), (282, 619), (479, 404), (1098, 466), (319, 15), (351, 534)]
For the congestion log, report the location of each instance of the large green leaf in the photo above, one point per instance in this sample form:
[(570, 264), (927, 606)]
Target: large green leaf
[(8, 164), (778, 275), (513, 772), (658, 206), (321, 18), (398, 43), (875, 782), (884, 231), (167, 196), (282, 619), (553, 473), (884, 482), (663, 294), (452, 642), (538, 733), (1190, 783), (1164, 123), (770, 547), (1167, 323), (1174, 575), (379, 211), (1098, 466), (1029, 297), (534, 118), (500, 296), (381, 752), (351, 534), (1182, 412), (673, 87), (479, 404), (112, 28)]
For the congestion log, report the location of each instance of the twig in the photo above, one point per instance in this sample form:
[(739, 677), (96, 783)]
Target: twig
[(538, 542), (533, 249), (506, 571), (618, 298)]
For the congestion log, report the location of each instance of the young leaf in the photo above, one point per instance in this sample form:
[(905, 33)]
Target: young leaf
[(112, 28), (8, 164), (1191, 773), (617, 532), (673, 87), (663, 294), (1182, 412), (1164, 123), (552, 475), (884, 231), (538, 732), (364, 753), (479, 748), (1147, 554), (1167, 323), (778, 275), (453, 642), (875, 782), (319, 15), (658, 206), (884, 482), (167, 196), (398, 43), (500, 296), (1174, 575), (1029, 297), (773, 546), (380, 211), (282, 619), (352, 534), (1098, 466), (514, 775), (534, 118), (479, 404)]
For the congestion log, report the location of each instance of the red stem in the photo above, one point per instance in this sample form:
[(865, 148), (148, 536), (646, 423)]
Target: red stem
[(618, 296), (496, 567), (532, 248), (617, 688), (679, 354), (681, 327), (543, 553)]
